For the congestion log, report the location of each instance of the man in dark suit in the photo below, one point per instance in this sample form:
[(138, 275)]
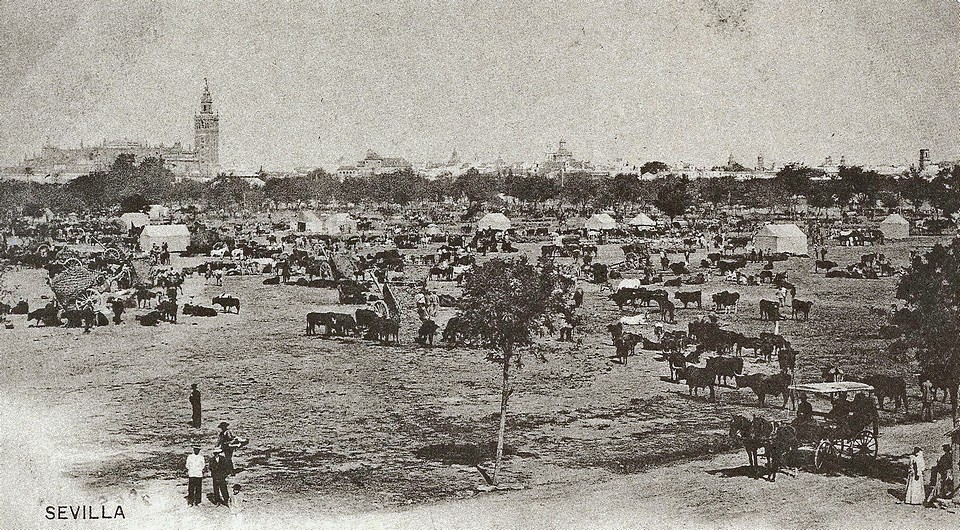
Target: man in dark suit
[(195, 403), (225, 441), (219, 472)]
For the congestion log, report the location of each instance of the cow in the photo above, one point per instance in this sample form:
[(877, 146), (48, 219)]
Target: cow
[(667, 309), (724, 368), (823, 264), (226, 302), (427, 332), (677, 362), (886, 386), (787, 359), (767, 385), (333, 323), (452, 332), (724, 301), (441, 273), (144, 296), (22, 308), (769, 310), (698, 378), (689, 298), (47, 315), (368, 323), (168, 310), (727, 265), (150, 319), (624, 297), (673, 282), (801, 308), (199, 310)]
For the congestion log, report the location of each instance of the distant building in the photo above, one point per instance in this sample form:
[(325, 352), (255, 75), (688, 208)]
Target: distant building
[(62, 164), (373, 164)]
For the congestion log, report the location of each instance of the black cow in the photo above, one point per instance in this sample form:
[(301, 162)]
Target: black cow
[(801, 308), (766, 385), (689, 298), (150, 319), (698, 378), (22, 308), (427, 332), (725, 367), (226, 302), (199, 310), (769, 310), (168, 310)]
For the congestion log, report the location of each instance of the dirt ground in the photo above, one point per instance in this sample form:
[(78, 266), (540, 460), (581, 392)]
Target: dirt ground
[(341, 427)]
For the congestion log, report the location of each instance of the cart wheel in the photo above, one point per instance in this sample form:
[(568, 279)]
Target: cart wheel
[(90, 296), (864, 445), (112, 254), (72, 262), (823, 453)]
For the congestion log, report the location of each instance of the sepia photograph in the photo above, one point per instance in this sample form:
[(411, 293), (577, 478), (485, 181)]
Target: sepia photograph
[(423, 264)]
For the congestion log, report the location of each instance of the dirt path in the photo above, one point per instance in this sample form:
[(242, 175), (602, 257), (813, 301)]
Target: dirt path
[(713, 493)]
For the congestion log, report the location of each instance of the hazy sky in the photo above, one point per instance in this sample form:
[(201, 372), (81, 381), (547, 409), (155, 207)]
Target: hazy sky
[(305, 83)]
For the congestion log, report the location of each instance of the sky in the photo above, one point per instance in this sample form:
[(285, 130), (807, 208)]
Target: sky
[(318, 83)]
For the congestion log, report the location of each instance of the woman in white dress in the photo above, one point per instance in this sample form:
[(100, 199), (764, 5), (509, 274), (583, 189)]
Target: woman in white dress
[(915, 493)]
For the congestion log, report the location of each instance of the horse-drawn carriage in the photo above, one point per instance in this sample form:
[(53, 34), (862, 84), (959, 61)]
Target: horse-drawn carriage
[(851, 429)]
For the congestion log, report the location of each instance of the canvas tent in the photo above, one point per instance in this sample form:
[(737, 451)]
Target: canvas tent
[(158, 212), (895, 227), (307, 221), (786, 238), (600, 221), (495, 221), (177, 237), (339, 223), (642, 220), (134, 220)]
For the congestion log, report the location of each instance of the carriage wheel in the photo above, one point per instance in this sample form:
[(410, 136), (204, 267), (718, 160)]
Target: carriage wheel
[(825, 452), (90, 296), (864, 445), (112, 254), (72, 262)]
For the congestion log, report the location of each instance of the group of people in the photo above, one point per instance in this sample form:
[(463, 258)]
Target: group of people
[(220, 464), (941, 484)]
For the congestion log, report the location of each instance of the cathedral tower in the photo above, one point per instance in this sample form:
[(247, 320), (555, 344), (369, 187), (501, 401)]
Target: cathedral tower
[(206, 135)]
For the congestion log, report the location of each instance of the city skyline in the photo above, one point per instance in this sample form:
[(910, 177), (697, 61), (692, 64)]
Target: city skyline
[(317, 85)]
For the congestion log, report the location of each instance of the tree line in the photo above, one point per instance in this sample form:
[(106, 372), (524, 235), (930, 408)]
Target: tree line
[(131, 186)]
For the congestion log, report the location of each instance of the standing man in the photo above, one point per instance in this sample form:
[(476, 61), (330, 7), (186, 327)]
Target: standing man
[(195, 465), (223, 441), (218, 472), (195, 404), (938, 476), (926, 397)]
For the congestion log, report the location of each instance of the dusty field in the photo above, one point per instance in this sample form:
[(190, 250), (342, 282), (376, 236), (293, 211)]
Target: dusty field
[(348, 426)]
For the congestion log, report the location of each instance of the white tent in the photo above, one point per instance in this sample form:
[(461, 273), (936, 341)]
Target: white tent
[(339, 223), (177, 237), (895, 227), (134, 219), (158, 212), (774, 239), (642, 220), (495, 221), (600, 221), (307, 221)]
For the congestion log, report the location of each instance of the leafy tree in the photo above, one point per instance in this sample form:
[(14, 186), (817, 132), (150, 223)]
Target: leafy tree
[(673, 196), (134, 203), (931, 319), (620, 190), (503, 303), (914, 187), (476, 187), (795, 178), (580, 189), (654, 167)]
